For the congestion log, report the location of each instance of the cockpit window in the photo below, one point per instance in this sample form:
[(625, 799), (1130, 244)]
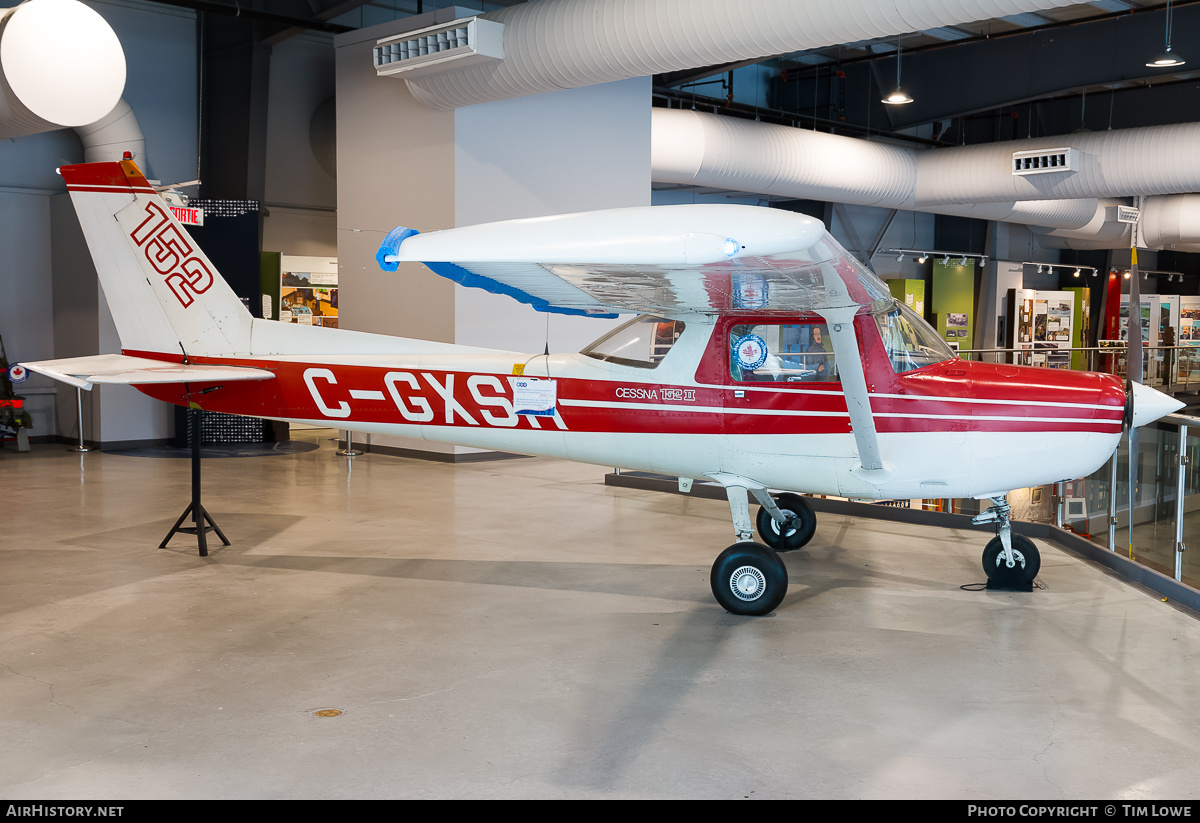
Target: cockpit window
[(911, 343), (781, 352), (642, 342)]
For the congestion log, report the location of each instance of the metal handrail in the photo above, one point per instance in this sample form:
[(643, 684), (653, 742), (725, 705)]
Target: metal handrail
[(1158, 358)]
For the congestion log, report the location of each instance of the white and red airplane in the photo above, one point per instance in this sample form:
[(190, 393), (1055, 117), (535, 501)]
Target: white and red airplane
[(762, 356)]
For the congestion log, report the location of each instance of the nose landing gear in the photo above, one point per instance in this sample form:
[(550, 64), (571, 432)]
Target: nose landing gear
[(1010, 561)]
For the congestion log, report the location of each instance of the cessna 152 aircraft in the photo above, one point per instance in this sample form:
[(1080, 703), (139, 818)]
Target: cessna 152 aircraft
[(761, 356)]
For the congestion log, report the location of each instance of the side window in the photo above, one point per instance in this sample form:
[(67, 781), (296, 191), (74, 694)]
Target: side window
[(642, 342), (781, 352)]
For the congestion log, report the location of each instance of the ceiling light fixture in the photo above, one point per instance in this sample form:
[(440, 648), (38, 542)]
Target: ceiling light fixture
[(899, 97), (946, 260), (922, 258), (1166, 59), (963, 262), (899, 258), (1076, 273)]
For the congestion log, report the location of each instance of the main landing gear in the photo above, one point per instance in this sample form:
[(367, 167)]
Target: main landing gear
[(1010, 561), (749, 578)]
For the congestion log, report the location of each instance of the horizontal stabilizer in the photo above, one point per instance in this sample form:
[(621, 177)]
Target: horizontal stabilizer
[(124, 370)]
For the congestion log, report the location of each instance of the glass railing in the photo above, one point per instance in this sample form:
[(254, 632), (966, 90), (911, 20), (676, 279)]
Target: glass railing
[(1176, 367), (1164, 508)]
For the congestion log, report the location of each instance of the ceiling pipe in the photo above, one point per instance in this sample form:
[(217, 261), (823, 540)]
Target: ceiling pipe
[(112, 135), (61, 66), (563, 44), (692, 148), (1120, 163), (1167, 222)]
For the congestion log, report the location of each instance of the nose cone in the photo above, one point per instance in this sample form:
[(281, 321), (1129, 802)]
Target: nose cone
[(1150, 404)]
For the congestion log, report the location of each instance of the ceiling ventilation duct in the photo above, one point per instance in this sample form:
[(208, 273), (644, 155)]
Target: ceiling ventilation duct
[(689, 147), (112, 135), (61, 65), (1167, 222), (565, 44), (1120, 163)]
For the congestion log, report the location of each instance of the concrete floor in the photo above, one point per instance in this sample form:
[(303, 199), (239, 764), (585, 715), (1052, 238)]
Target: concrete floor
[(516, 629)]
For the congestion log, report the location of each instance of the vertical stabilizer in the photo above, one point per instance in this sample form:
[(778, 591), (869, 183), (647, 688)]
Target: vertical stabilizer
[(164, 293)]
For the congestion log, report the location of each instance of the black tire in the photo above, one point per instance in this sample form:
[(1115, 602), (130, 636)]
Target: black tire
[(802, 530), (1029, 562), (748, 578)]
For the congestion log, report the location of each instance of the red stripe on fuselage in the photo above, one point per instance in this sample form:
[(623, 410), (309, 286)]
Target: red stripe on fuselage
[(421, 396)]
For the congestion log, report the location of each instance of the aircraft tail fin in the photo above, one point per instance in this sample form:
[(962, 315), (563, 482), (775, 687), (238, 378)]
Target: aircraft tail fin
[(164, 293)]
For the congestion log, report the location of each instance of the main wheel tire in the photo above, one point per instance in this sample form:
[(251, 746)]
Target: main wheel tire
[(748, 578), (1029, 562), (802, 530)]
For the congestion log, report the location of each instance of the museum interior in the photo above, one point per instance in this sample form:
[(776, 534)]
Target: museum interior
[(505, 586)]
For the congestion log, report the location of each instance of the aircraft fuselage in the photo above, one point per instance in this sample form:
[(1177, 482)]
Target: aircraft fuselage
[(950, 429)]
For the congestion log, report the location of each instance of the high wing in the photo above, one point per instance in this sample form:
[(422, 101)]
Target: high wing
[(667, 260), (122, 369), (671, 261)]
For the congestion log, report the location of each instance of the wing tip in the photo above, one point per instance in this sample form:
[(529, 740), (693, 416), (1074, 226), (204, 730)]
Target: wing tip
[(390, 247)]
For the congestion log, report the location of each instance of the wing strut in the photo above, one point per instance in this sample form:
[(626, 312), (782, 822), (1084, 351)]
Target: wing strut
[(854, 384)]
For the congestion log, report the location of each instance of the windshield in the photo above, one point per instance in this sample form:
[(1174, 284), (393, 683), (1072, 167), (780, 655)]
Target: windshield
[(911, 343), (642, 342)]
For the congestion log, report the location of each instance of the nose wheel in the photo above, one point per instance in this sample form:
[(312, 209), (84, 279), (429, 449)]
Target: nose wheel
[(1019, 576)]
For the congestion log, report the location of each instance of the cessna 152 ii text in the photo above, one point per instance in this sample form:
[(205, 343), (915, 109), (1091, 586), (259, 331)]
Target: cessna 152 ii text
[(761, 356)]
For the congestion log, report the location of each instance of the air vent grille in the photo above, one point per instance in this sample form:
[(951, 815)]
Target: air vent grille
[(442, 48), (1045, 161)]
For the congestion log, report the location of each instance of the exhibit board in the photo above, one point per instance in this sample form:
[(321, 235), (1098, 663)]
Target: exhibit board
[(954, 301), (1188, 369), (298, 289), (1043, 323), (909, 292), (1081, 328)]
